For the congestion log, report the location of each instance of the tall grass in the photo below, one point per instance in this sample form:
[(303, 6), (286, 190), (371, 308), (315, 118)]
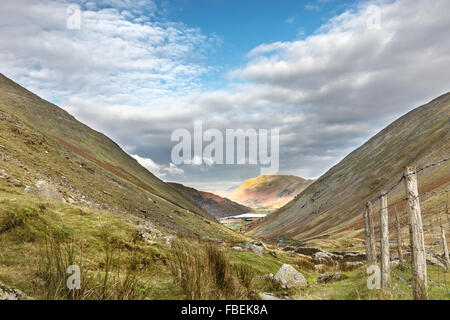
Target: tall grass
[(116, 280), (205, 272)]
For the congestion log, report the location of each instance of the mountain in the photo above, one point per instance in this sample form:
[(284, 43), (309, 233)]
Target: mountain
[(215, 205), (332, 206), (44, 147), (269, 191)]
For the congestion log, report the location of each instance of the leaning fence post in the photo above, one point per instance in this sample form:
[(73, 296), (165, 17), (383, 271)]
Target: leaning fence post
[(384, 243), (418, 255), (444, 246), (399, 237), (371, 229)]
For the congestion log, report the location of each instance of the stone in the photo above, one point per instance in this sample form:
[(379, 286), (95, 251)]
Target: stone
[(325, 278), (322, 257), (8, 293), (352, 265), (45, 190), (15, 182), (268, 296), (237, 248), (319, 267), (3, 174), (289, 278)]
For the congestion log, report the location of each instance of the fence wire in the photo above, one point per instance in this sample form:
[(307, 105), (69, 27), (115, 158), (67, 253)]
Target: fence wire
[(434, 188)]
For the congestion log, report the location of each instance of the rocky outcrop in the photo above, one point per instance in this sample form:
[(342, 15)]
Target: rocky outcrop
[(45, 190)]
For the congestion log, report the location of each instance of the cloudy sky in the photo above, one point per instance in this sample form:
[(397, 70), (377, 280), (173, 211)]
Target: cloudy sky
[(327, 73)]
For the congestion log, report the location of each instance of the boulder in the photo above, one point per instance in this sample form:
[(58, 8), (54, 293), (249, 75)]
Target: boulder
[(289, 278), (253, 248)]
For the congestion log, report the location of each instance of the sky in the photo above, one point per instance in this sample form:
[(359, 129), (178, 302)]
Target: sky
[(327, 74)]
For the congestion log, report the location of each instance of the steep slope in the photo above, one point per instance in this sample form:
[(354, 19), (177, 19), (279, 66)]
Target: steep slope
[(75, 164), (333, 204), (269, 191), (215, 205)]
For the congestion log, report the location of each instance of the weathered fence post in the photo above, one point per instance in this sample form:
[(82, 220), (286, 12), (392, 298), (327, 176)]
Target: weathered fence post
[(399, 237), (384, 243), (366, 236), (371, 229), (418, 255), (444, 247)]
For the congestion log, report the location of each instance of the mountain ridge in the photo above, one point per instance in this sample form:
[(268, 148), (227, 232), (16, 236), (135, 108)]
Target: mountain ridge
[(333, 202)]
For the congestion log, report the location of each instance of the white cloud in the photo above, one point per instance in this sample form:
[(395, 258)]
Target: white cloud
[(160, 171), (137, 80)]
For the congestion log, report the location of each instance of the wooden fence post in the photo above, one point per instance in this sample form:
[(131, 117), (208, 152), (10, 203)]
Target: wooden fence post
[(372, 246), (384, 243), (444, 247), (399, 237), (367, 237), (418, 255)]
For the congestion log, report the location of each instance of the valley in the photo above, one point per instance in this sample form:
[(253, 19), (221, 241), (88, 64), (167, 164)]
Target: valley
[(71, 196)]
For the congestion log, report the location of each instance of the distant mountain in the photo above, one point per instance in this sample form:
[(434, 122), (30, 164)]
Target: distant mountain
[(215, 205), (269, 191), (332, 205), (42, 143)]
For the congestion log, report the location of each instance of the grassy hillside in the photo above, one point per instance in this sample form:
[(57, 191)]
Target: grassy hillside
[(331, 207), (269, 191), (40, 141), (215, 205)]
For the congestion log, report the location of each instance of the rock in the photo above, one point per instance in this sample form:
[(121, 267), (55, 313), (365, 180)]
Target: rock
[(322, 257), (237, 248), (254, 248), (7, 293), (351, 256), (169, 240), (150, 228), (307, 251), (289, 278), (325, 278), (319, 267), (210, 239), (45, 190), (3, 174), (268, 296), (352, 265), (289, 249), (260, 244), (431, 259), (395, 262), (15, 182)]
